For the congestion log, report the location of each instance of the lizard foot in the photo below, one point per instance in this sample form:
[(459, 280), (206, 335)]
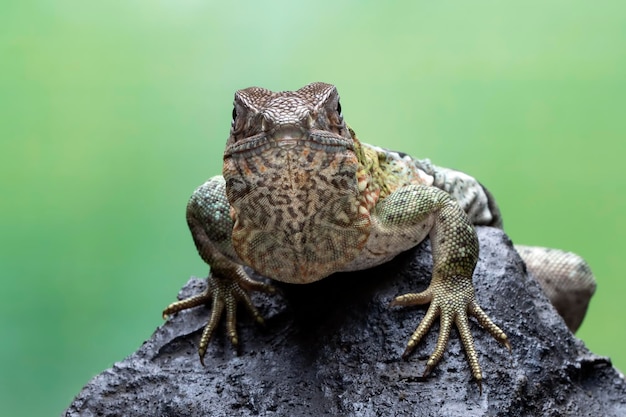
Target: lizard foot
[(223, 293), (453, 300)]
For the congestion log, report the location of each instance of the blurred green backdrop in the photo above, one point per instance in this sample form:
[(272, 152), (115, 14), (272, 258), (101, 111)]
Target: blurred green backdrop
[(112, 112)]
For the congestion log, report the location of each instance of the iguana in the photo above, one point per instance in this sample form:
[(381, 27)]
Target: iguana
[(300, 197)]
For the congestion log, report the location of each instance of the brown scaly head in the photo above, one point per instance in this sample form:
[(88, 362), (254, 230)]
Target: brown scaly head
[(291, 168)]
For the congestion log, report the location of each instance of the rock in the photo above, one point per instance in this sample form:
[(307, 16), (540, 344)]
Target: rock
[(333, 349)]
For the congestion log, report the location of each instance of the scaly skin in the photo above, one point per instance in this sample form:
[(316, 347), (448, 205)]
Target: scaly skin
[(301, 198)]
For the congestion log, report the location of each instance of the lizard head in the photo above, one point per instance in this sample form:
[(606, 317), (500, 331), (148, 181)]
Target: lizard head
[(290, 167), (287, 116)]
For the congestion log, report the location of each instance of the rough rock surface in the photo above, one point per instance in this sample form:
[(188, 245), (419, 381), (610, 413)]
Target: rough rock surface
[(333, 349)]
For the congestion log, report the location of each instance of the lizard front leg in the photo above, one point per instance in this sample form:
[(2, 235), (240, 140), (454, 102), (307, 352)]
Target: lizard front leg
[(228, 283), (565, 277), (415, 209)]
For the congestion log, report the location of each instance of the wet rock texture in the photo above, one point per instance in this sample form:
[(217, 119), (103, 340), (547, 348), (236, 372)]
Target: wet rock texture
[(333, 349)]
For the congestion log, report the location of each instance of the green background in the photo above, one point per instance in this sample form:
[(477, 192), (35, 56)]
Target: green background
[(111, 113)]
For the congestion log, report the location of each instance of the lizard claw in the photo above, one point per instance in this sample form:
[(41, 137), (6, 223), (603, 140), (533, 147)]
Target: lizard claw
[(223, 294), (453, 305)]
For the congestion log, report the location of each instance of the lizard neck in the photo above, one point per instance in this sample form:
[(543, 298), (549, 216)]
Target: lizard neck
[(299, 211)]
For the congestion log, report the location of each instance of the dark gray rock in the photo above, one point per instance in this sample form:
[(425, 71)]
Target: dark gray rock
[(333, 349)]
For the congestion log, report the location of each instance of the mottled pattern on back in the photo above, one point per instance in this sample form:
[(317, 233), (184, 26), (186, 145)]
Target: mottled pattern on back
[(391, 170)]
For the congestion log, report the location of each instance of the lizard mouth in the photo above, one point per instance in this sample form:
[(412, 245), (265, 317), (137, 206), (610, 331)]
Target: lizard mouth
[(290, 137), (287, 135)]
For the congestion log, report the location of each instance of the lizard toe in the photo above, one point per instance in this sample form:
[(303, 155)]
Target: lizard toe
[(223, 294)]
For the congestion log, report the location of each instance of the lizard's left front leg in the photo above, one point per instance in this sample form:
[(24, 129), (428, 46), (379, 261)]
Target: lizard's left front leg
[(455, 253)]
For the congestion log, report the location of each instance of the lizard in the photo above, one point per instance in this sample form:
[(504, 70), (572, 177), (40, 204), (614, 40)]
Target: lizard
[(300, 198)]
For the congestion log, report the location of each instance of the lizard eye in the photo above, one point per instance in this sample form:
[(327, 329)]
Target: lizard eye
[(339, 107), (234, 113)]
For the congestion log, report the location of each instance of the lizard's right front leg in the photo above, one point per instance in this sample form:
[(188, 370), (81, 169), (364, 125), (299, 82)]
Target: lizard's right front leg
[(211, 227)]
